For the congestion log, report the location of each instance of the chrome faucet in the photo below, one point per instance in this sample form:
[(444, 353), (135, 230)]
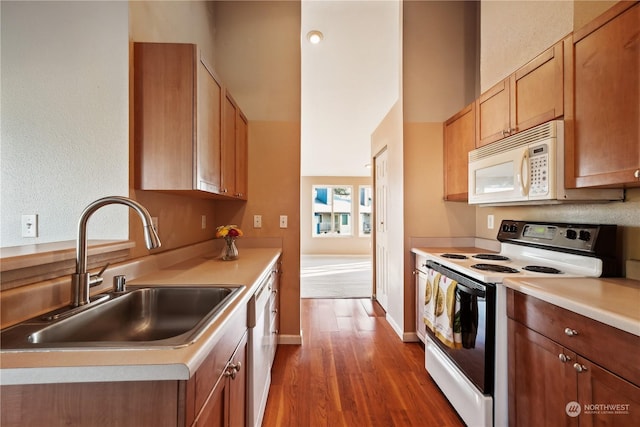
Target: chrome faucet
[(81, 281)]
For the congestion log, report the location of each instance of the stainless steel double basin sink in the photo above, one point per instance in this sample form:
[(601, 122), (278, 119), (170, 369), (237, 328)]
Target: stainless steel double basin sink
[(140, 317)]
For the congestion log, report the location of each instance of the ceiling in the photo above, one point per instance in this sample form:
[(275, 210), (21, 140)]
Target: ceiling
[(350, 80)]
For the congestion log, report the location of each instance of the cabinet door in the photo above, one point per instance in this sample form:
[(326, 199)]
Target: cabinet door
[(493, 114), (540, 383), (164, 82), (213, 412), (237, 407), (229, 117), (241, 160), (539, 89), (459, 139), (208, 157), (605, 146), (226, 405), (598, 387)]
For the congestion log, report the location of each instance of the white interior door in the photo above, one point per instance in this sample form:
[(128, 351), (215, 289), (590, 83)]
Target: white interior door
[(382, 259)]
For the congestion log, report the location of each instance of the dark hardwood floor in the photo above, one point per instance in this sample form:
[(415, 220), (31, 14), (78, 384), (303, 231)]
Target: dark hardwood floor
[(352, 370)]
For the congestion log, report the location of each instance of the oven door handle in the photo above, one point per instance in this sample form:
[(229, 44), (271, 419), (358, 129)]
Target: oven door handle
[(471, 291)]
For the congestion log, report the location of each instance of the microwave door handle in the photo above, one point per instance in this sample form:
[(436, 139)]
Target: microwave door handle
[(524, 173)]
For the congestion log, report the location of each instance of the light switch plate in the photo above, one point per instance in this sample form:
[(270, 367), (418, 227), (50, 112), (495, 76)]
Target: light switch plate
[(29, 225)]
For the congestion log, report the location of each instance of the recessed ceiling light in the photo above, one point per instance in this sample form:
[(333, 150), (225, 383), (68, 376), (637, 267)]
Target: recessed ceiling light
[(315, 36)]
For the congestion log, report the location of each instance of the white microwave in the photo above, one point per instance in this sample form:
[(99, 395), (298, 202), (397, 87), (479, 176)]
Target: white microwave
[(527, 168)]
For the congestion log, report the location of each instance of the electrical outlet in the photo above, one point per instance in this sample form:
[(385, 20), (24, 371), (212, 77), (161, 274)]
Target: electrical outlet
[(154, 223), (283, 221), (490, 222), (257, 221), (204, 222), (29, 225)]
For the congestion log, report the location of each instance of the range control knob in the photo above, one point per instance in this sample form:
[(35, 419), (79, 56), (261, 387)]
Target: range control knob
[(584, 235), (571, 234), (513, 228), (505, 228)]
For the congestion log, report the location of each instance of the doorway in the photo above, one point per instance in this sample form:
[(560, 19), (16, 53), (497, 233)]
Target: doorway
[(335, 276), (381, 237)]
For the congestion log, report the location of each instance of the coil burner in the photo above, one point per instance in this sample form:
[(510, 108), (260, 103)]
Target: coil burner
[(491, 257), (542, 269), (495, 268), (454, 256)]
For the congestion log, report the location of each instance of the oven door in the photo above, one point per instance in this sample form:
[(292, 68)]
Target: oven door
[(474, 355)]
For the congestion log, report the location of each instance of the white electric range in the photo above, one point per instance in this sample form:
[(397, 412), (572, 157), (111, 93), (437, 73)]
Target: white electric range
[(528, 249)]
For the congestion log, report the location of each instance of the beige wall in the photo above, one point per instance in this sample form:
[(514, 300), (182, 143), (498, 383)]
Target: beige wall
[(354, 244), (388, 137), (426, 213), (585, 10), (440, 77), (440, 51), (179, 217), (255, 49), (627, 214), (258, 56), (274, 190), (514, 32), (64, 123)]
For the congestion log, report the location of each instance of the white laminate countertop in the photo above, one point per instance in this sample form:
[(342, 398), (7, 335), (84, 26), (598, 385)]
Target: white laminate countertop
[(612, 301), (98, 365)]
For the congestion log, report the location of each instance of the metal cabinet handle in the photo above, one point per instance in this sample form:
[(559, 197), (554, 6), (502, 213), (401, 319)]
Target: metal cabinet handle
[(232, 370), (564, 358), (579, 368), (274, 311), (637, 174), (570, 332)]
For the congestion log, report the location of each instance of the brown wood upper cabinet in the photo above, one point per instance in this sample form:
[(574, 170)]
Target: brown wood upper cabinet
[(459, 139), (234, 149), (603, 104), (178, 122), (530, 96)]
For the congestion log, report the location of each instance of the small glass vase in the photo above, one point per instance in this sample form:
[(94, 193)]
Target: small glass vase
[(229, 250)]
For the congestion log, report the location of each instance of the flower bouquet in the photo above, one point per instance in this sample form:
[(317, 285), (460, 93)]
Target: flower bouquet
[(229, 233)]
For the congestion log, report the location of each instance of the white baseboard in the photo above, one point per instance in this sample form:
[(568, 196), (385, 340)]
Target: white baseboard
[(397, 329)]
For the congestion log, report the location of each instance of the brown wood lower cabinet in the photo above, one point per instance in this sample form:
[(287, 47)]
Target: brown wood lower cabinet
[(214, 396), (226, 403), (555, 383)]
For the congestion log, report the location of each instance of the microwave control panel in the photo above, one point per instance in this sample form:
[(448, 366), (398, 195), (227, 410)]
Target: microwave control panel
[(539, 170)]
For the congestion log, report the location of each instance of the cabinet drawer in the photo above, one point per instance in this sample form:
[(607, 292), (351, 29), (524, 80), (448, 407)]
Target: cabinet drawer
[(612, 348)]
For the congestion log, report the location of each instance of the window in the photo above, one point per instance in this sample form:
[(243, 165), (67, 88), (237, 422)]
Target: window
[(332, 210), (364, 209)]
